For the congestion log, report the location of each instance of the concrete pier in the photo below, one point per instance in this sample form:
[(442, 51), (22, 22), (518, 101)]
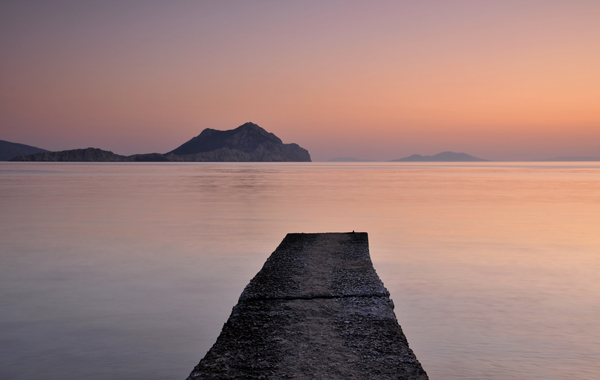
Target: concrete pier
[(316, 310)]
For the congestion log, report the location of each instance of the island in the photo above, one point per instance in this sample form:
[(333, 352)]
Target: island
[(571, 159), (440, 157), (348, 159), (247, 143)]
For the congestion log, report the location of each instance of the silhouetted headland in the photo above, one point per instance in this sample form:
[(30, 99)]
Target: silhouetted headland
[(247, 143), (317, 309), (90, 155)]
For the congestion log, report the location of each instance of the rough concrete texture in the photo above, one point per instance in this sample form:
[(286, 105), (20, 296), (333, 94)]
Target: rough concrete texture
[(316, 310)]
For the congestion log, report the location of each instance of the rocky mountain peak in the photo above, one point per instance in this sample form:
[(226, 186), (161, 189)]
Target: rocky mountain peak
[(246, 138)]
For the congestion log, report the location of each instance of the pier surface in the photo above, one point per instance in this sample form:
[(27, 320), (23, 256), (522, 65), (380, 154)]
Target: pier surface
[(316, 310)]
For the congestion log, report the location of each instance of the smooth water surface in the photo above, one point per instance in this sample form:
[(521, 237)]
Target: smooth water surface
[(128, 271)]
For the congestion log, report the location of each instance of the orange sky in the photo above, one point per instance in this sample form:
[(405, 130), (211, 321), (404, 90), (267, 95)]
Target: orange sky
[(503, 80)]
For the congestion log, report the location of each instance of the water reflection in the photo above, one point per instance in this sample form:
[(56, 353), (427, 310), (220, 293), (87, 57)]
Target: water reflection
[(129, 270)]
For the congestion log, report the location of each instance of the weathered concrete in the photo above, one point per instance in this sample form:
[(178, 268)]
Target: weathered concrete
[(316, 310)]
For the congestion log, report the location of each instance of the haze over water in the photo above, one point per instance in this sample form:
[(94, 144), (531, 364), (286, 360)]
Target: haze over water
[(128, 271)]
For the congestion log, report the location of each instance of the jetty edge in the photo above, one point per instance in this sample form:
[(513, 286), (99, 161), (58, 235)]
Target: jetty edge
[(316, 310)]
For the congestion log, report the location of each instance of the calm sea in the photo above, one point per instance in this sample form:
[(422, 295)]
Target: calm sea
[(128, 271)]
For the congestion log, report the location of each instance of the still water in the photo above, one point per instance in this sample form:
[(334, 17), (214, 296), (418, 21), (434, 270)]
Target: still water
[(128, 271)]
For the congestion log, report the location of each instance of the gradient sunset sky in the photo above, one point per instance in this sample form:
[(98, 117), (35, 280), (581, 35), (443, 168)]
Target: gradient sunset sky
[(502, 80)]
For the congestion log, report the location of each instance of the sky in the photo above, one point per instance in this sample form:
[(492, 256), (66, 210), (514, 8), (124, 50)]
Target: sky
[(379, 80)]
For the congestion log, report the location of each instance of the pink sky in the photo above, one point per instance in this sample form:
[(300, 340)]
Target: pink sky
[(502, 80)]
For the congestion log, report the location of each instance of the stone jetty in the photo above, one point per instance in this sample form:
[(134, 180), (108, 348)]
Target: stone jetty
[(316, 310)]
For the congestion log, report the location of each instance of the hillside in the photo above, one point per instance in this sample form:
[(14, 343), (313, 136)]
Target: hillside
[(74, 155), (89, 155), (9, 150)]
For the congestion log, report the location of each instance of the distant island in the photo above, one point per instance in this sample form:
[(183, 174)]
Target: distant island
[(571, 158), (440, 157), (348, 159), (247, 143)]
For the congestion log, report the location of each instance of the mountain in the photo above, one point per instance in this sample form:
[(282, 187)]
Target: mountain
[(248, 142), (440, 157), (9, 150), (89, 155)]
